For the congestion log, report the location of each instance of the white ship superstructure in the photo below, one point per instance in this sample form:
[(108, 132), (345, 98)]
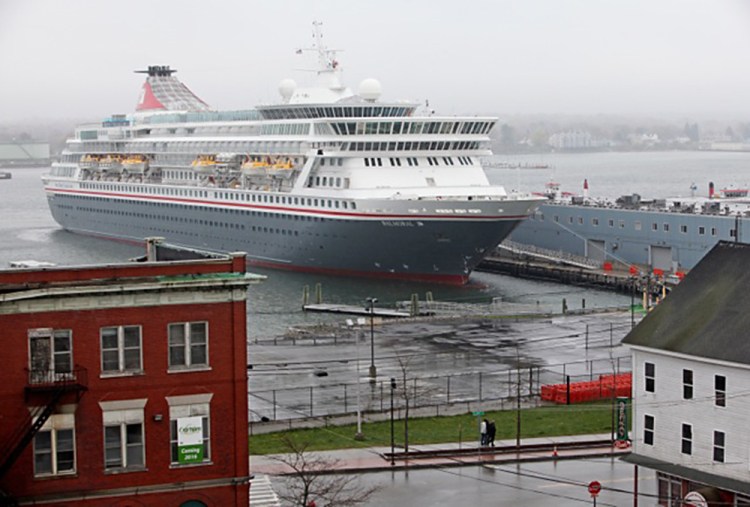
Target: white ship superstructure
[(327, 181)]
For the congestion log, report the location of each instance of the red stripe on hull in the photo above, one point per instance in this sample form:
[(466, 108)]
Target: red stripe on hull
[(278, 209), (415, 277)]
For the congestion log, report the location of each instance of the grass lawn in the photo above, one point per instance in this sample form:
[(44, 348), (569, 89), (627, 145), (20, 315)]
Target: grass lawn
[(535, 422)]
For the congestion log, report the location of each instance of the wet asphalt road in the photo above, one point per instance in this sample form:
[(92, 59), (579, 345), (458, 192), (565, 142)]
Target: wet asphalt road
[(320, 363)]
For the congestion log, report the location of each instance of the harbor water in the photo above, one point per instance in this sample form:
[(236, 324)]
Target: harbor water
[(29, 232)]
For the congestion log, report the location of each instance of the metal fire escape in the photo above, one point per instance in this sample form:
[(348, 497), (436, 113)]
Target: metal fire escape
[(45, 389)]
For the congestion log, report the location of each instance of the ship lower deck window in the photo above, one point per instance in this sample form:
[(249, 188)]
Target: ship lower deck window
[(654, 226), (702, 230), (666, 227), (595, 222), (713, 231), (683, 229)]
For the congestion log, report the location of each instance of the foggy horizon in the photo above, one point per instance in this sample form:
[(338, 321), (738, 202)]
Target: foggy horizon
[(677, 59)]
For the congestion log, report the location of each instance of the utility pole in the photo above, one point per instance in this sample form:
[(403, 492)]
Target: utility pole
[(393, 388), (358, 435), (371, 306)]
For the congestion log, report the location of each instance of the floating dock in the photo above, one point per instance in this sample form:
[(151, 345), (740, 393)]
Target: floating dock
[(359, 310)]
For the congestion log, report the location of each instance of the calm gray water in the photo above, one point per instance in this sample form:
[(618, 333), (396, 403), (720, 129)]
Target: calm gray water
[(27, 231), (650, 174)]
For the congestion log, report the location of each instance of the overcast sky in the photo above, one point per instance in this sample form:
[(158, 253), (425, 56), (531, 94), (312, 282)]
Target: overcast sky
[(75, 58)]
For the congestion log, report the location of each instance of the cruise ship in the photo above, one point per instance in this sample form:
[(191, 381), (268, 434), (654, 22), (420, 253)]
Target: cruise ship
[(668, 235), (327, 180)]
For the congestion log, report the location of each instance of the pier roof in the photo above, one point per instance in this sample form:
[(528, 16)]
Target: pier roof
[(708, 314)]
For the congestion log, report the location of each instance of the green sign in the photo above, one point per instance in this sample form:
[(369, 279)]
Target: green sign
[(478, 413), (190, 440), (621, 407)]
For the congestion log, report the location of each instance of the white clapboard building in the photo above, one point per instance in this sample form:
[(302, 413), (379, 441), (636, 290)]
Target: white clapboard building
[(691, 384)]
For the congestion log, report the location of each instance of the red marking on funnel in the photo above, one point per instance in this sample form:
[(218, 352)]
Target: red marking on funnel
[(148, 99)]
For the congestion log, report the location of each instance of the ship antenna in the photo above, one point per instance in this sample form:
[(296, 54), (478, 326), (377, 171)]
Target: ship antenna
[(329, 71)]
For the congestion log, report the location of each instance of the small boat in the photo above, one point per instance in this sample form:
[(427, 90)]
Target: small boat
[(5, 175), (111, 164), (135, 164), (204, 163)]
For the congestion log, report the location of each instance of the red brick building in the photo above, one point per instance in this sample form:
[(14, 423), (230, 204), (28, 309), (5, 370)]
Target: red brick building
[(125, 385)]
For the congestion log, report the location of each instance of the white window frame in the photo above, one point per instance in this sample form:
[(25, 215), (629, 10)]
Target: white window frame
[(55, 424), (687, 384), (648, 429), (720, 395), (188, 346), (121, 415), (192, 405), (121, 348), (649, 379), (719, 448), (52, 367), (686, 440)]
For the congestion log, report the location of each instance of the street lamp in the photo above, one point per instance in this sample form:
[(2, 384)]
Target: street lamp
[(393, 388), (358, 435), (370, 305)]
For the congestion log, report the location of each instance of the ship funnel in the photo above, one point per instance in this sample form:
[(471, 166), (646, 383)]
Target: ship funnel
[(710, 189)]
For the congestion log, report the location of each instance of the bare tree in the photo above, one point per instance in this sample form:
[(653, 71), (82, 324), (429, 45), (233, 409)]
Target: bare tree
[(310, 480), (409, 393)]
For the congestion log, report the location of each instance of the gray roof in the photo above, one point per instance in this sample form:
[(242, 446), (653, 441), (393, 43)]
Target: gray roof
[(691, 474), (708, 313), (24, 150)]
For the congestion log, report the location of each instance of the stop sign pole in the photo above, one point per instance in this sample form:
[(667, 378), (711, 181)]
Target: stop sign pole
[(594, 488)]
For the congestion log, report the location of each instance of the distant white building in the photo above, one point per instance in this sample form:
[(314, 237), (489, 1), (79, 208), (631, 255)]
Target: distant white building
[(575, 140), (644, 139), (691, 384)]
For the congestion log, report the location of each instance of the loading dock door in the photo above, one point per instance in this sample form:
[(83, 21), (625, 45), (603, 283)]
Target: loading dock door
[(595, 250), (661, 257)]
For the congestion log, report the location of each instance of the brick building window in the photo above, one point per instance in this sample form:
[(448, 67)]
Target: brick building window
[(687, 384), (648, 429), (719, 446), (50, 354), (188, 345), (190, 412), (124, 439), (54, 446), (687, 439), (720, 390), (650, 377), (121, 349)]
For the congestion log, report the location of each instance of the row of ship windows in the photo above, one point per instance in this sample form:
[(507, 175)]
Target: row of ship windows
[(189, 147), (230, 196), (412, 146), (414, 161), (215, 231), (637, 225), (169, 152), (415, 127), (213, 223), (281, 113)]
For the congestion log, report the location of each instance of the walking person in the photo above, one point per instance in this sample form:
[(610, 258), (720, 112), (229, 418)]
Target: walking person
[(491, 433), (483, 433)]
